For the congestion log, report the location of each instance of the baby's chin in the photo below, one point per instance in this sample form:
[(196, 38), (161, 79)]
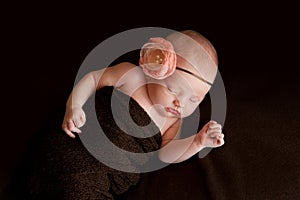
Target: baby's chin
[(168, 115), (161, 111)]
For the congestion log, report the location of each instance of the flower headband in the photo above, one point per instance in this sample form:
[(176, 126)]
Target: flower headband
[(158, 59)]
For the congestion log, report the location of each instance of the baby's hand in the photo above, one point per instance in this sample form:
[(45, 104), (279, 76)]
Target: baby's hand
[(210, 135), (73, 120)]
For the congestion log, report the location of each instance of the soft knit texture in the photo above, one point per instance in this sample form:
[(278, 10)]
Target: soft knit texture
[(66, 170)]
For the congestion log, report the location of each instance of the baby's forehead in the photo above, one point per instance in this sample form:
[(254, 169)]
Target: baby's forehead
[(192, 56), (186, 82), (185, 64)]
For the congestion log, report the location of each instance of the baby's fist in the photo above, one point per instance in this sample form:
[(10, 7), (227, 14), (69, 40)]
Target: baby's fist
[(73, 120), (210, 135)]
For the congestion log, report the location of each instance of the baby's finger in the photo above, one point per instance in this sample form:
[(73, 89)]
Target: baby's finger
[(78, 123), (215, 130), (206, 126), (69, 133), (82, 118), (219, 142), (72, 127), (75, 129), (216, 134), (215, 126), (211, 122)]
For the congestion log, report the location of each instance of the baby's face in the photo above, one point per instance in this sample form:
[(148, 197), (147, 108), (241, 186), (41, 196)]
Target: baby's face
[(178, 95)]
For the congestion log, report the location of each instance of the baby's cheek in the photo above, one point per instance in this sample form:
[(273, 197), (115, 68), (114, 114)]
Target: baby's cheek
[(188, 111)]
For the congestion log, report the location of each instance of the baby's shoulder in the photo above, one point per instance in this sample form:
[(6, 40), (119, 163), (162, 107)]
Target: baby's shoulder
[(132, 77), (125, 67), (130, 72)]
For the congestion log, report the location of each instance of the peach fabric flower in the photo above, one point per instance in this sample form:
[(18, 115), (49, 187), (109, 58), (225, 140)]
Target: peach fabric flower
[(158, 58)]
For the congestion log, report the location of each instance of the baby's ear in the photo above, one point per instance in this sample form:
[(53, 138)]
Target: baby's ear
[(201, 98)]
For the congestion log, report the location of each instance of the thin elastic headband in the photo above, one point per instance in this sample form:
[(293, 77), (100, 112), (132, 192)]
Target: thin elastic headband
[(195, 75), (195, 54)]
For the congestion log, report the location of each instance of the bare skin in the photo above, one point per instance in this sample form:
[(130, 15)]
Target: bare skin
[(166, 101), (169, 121)]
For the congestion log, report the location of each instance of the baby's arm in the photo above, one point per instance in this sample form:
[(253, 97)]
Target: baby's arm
[(177, 150), (74, 116)]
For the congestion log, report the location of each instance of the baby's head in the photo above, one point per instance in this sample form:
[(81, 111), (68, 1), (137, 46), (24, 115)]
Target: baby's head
[(195, 53), (204, 42), (179, 94)]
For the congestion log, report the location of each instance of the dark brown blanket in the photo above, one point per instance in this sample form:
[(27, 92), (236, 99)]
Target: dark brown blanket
[(66, 170), (260, 160)]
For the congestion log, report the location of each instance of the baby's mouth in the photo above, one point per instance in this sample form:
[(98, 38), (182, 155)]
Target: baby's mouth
[(172, 110)]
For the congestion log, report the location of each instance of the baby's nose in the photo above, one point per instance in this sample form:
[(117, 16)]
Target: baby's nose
[(177, 103)]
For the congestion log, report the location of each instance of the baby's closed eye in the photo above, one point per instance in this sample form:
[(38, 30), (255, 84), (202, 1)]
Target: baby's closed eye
[(195, 99), (172, 90)]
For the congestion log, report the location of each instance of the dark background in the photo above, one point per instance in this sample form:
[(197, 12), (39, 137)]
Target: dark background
[(44, 46)]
